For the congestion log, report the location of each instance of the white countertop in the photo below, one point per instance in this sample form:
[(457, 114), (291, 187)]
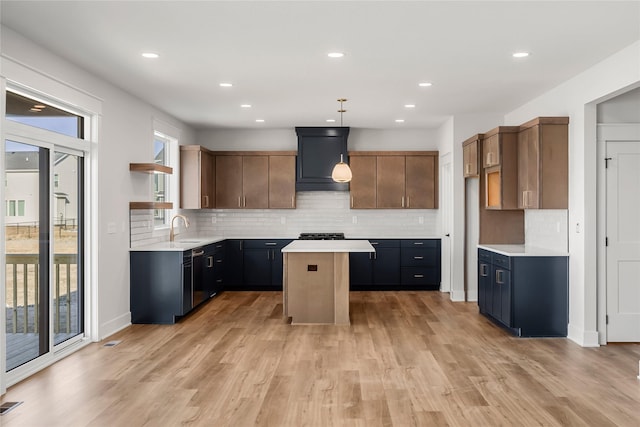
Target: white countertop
[(329, 246), (179, 245), (521, 250)]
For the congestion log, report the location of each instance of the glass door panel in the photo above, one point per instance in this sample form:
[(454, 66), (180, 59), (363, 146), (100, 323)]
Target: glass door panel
[(27, 252), (67, 243)]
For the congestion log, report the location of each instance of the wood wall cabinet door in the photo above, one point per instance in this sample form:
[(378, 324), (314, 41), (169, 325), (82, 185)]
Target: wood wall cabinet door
[(470, 156), (421, 190), (229, 182), (501, 178), (543, 163), (491, 151), (390, 181), (255, 182), (282, 182), (197, 178), (363, 184)]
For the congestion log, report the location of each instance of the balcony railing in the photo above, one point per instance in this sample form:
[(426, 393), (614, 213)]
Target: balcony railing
[(22, 283)]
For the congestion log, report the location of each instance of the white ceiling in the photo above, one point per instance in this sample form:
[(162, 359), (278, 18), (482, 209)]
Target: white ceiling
[(275, 54)]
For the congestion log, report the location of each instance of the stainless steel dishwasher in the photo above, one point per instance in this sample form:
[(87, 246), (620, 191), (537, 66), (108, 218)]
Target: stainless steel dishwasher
[(197, 281)]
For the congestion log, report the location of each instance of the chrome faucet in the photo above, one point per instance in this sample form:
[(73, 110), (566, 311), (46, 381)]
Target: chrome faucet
[(172, 234)]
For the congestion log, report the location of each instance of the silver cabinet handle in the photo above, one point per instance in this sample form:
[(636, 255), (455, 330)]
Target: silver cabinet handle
[(209, 261), (418, 276), (418, 257), (293, 201), (483, 270), (239, 201), (374, 243), (271, 243), (403, 201), (408, 202), (499, 274), (206, 201), (244, 202), (418, 243)]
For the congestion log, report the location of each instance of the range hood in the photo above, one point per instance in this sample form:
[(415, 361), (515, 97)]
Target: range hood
[(319, 149)]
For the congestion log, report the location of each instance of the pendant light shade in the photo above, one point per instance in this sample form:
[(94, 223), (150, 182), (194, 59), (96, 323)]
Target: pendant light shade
[(341, 172)]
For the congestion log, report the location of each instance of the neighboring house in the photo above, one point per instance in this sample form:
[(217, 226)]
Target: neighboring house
[(21, 188)]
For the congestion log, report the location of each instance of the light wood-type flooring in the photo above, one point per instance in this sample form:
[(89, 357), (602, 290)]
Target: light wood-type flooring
[(408, 359)]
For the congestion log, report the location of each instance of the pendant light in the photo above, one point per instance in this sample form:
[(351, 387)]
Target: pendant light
[(341, 171)]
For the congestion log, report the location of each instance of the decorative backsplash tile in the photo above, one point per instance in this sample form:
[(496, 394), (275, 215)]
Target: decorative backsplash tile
[(547, 229)]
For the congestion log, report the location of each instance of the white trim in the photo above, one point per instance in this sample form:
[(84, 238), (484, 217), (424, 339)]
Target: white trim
[(37, 83), (115, 325), (606, 132), (457, 295), (582, 337), (472, 295), (3, 258)]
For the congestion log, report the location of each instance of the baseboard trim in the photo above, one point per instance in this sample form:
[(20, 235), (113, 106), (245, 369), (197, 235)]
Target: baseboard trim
[(115, 325), (457, 296), (582, 337), (472, 296)]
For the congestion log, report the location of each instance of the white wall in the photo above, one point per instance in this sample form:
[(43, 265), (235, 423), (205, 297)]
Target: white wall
[(624, 108), (577, 98), (125, 135)]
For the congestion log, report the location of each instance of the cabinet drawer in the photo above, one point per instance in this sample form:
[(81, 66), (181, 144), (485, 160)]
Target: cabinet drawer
[(413, 276), (415, 257), (421, 243), (265, 243), (384, 243), (501, 261), (484, 255)]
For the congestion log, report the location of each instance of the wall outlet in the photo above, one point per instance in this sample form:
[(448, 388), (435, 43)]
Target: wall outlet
[(213, 220), (354, 219), (111, 228)]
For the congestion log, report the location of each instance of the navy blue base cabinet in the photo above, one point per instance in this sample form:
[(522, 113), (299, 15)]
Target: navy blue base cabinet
[(528, 295), (397, 264), (254, 264)]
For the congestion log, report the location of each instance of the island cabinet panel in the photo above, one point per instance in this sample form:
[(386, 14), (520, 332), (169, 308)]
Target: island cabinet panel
[(362, 187), (197, 178), (262, 264), (528, 295), (543, 164), (282, 182)]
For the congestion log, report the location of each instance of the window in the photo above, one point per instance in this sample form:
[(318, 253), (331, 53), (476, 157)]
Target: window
[(162, 183), (15, 207), (43, 115)]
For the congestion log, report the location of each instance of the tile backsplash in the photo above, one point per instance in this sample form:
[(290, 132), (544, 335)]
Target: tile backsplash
[(316, 211), (547, 229)]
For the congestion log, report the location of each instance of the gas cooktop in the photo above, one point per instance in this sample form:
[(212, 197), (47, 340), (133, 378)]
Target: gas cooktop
[(321, 236)]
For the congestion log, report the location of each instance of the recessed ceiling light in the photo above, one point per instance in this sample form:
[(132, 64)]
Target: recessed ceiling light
[(335, 54), (259, 120), (399, 120), (424, 84), (42, 107), (520, 54), (226, 84), (35, 110), (245, 105), (409, 105), (150, 55), (331, 120)]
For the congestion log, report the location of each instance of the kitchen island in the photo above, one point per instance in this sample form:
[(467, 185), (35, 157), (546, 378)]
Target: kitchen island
[(316, 280)]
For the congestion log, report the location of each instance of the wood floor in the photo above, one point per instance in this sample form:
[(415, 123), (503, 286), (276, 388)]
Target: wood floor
[(408, 359)]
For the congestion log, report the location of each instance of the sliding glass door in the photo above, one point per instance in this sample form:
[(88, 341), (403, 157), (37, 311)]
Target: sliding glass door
[(44, 223)]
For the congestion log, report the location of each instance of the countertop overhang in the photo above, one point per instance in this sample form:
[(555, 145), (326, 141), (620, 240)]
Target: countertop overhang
[(329, 246), (521, 250)]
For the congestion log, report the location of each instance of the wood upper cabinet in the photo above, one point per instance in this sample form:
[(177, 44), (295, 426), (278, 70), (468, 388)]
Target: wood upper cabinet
[(362, 187), (282, 182), (543, 163), (390, 182), (197, 178), (470, 155), (229, 175), (255, 180), (421, 189), (500, 147), (394, 180)]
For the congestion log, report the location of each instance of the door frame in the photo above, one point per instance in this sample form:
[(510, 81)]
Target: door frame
[(606, 132), (446, 221)]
